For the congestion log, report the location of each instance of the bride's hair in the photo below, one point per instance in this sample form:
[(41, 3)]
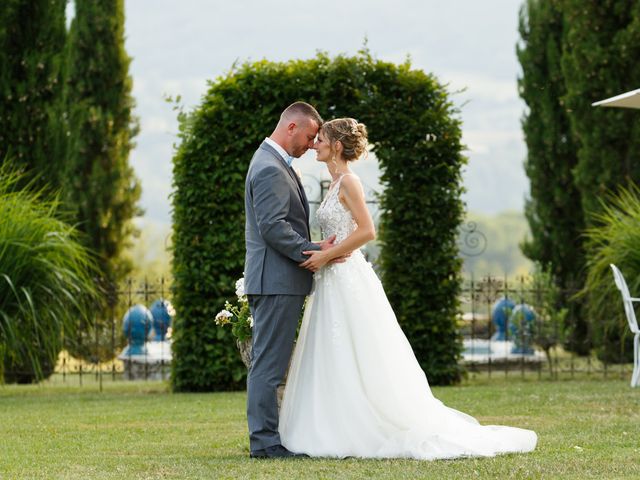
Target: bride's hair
[(351, 134)]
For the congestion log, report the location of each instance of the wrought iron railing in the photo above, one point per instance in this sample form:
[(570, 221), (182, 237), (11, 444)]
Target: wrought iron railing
[(484, 354)]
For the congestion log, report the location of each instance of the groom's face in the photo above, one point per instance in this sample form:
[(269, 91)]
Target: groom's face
[(303, 136)]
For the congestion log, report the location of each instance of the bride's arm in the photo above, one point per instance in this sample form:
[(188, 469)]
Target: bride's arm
[(353, 198)]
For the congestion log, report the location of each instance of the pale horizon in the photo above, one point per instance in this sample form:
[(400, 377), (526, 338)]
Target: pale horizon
[(177, 48)]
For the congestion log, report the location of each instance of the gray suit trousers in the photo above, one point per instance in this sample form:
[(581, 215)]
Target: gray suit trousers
[(275, 320)]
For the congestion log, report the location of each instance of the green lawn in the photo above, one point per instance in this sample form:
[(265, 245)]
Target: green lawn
[(586, 428)]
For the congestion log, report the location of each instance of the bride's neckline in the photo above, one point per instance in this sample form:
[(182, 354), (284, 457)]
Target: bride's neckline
[(333, 187), (335, 181)]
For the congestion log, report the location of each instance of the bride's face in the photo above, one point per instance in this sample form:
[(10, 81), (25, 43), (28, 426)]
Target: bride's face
[(322, 147)]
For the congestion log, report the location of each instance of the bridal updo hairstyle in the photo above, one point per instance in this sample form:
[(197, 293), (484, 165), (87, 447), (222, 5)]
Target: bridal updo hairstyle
[(351, 134)]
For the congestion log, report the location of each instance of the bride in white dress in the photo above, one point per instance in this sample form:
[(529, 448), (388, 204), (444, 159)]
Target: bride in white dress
[(355, 388)]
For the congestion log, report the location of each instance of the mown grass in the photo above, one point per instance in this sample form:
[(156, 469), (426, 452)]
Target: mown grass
[(587, 429)]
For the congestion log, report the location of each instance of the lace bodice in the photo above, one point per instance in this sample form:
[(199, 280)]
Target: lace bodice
[(333, 217)]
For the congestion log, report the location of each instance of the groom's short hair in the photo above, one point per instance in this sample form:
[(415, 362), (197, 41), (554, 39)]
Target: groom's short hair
[(302, 109)]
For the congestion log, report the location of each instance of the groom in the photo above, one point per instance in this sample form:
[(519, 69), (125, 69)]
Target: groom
[(276, 233)]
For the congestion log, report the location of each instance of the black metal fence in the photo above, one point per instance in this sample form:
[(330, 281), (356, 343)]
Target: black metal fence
[(108, 346), (491, 349), (497, 341)]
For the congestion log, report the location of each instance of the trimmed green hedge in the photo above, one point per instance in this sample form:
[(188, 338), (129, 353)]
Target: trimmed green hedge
[(416, 138)]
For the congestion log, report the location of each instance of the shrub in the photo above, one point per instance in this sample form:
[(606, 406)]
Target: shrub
[(417, 142)]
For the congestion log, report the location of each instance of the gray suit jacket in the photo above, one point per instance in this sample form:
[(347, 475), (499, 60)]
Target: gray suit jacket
[(276, 229)]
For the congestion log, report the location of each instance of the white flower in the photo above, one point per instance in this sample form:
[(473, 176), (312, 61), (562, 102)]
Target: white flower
[(223, 317), (240, 290), (170, 310), (250, 320)]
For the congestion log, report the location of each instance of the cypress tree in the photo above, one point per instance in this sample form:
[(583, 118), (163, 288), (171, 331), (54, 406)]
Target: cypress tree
[(102, 184), (554, 208), (102, 187), (32, 120), (600, 60)]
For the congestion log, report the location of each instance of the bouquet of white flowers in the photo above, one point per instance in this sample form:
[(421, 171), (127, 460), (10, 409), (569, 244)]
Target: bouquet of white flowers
[(238, 315)]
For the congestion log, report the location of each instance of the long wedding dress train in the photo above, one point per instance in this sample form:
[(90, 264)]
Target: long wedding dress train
[(355, 387)]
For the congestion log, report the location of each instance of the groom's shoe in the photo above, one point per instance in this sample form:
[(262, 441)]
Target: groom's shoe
[(276, 451)]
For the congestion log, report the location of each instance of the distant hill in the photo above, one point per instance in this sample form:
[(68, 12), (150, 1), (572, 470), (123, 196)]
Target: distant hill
[(501, 256), (497, 235)]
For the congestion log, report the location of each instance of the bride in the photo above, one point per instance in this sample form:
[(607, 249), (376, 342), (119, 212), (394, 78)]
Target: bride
[(355, 388)]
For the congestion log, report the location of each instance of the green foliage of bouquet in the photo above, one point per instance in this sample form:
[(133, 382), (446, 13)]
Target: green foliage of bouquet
[(237, 315)]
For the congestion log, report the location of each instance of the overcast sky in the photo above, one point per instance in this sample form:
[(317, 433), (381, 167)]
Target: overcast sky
[(177, 46)]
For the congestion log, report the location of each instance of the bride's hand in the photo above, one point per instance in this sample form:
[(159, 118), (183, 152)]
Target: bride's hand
[(317, 259)]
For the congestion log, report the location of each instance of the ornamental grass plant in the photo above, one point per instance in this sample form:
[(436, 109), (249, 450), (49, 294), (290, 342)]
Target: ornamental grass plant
[(614, 238), (46, 279)]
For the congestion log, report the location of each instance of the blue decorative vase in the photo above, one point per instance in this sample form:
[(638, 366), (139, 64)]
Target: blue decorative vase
[(161, 319), (500, 312), (136, 326), (521, 325)]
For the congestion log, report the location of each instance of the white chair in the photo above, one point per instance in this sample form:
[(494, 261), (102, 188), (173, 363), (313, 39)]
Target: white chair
[(628, 300)]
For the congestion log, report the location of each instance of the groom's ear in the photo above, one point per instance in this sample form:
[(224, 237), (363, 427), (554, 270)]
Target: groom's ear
[(291, 127)]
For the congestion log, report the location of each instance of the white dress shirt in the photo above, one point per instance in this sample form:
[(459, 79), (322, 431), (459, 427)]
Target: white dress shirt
[(287, 158)]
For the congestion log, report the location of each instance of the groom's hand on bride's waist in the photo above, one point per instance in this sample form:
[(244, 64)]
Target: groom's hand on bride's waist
[(327, 243), (330, 243), (317, 260)]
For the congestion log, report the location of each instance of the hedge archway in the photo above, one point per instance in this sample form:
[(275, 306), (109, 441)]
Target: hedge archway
[(416, 138)]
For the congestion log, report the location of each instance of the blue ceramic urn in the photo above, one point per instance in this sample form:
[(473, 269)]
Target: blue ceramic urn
[(136, 326), (500, 312), (161, 319)]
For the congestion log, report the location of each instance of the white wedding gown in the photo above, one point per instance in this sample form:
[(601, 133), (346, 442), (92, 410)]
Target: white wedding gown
[(355, 388)]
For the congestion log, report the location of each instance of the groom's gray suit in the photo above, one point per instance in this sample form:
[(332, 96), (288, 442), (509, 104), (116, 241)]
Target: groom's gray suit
[(276, 233)]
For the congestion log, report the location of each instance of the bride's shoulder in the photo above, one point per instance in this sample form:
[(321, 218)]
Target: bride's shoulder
[(350, 182), (349, 179)]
